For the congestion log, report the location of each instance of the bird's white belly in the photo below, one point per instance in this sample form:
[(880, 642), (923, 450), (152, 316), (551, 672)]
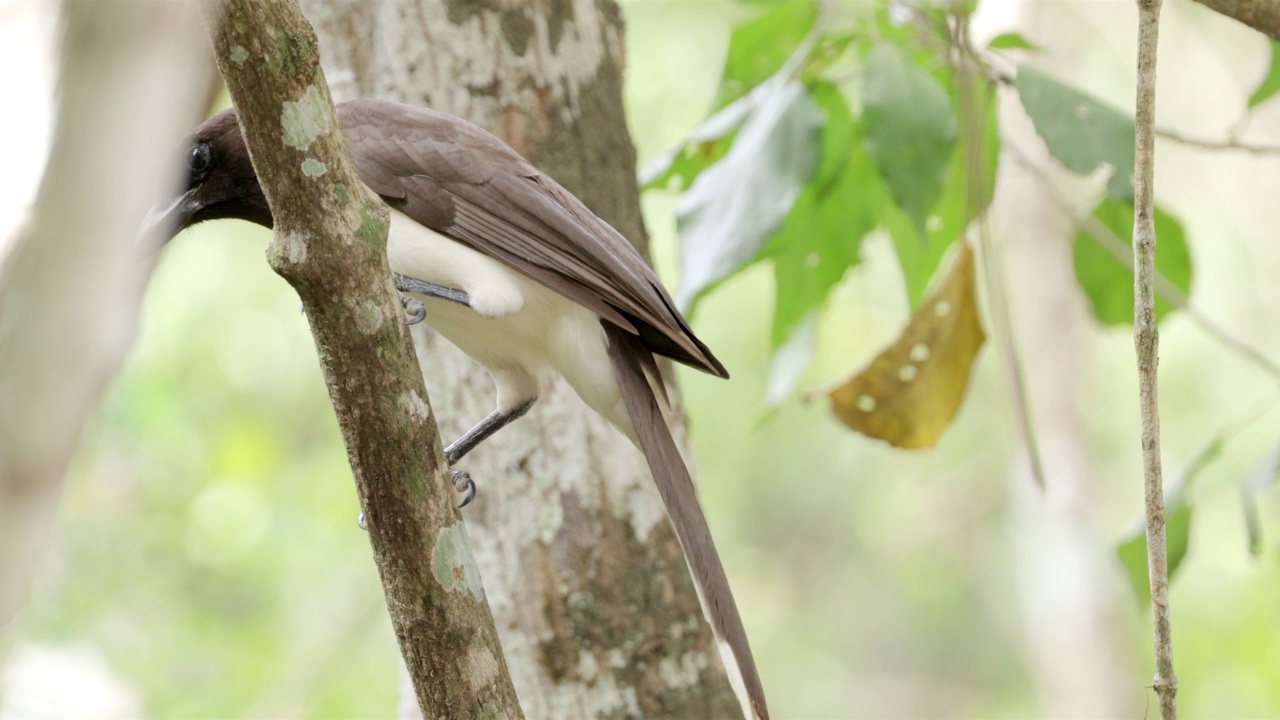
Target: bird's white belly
[(523, 333)]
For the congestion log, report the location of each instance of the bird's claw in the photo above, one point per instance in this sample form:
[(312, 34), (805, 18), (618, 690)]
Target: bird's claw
[(463, 483), (415, 312)]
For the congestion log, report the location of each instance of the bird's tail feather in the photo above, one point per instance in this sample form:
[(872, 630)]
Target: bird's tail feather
[(631, 363)]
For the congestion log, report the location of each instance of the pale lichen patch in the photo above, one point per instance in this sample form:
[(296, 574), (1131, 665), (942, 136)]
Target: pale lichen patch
[(482, 667), (369, 317), (312, 167), (295, 247), (453, 564), (304, 121), (239, 55), (416, 406)]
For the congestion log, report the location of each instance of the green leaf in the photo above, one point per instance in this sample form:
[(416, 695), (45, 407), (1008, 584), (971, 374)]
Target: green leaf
[(790, 361), (739, 202), (1108, 282), (1271, 83), (1133, 551), (702, 148), (1080, 131), (759, 47), (920, 254), (1012, 41), (911, 129)]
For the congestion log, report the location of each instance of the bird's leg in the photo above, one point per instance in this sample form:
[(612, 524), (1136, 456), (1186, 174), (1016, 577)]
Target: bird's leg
[(414, 310), (492, 423)]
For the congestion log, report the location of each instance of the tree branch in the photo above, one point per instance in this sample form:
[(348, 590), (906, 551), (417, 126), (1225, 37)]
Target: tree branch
[(330, 244), (1146, 344), (1261, 15)]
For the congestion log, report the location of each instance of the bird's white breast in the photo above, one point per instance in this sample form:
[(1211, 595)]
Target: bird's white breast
[(522, 332)]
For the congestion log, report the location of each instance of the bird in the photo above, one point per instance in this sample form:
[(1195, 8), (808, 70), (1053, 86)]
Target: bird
[(521, 276)]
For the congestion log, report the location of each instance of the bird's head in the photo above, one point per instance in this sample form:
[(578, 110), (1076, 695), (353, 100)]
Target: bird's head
[(219, 183)]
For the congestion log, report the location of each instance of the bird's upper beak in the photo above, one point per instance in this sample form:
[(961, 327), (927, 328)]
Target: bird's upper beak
[(164, 220)]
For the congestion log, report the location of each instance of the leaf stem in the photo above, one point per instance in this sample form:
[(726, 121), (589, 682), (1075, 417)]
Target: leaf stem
[(1146, 345)]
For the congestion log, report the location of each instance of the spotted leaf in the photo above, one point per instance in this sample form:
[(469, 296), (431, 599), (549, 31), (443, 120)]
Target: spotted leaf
[(910, 392)]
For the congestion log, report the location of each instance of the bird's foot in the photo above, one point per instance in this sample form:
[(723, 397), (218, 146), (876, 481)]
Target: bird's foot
[(414, 310), (463, 483)]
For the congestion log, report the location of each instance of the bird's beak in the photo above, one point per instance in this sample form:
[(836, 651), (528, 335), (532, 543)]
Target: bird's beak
[(164, 220)]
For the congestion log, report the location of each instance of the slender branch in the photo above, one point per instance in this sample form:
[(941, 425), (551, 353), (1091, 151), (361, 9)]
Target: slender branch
[(330, 244), (972, 119), (1146, 344), (1231, 144), (1121, 250), (1261, 15)]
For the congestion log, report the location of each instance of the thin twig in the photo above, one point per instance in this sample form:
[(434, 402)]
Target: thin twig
[(993, 276), (1119, 249), (1146, 344), (1230, 144)]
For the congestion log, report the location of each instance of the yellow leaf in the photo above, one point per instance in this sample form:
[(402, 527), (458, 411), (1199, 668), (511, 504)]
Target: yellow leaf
[(910, 392)]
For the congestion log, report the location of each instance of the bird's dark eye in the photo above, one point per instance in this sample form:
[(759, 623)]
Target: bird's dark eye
[(199, 159)]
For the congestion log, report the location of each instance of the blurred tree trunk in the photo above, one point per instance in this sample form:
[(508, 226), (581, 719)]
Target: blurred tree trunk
[(132, 78), (1071, 611), (594, 605)]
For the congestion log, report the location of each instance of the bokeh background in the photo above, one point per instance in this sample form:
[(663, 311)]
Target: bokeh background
[(207, 559)]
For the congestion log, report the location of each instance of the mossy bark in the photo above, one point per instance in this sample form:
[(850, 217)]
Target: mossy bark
[(595, 607), (330, 244)]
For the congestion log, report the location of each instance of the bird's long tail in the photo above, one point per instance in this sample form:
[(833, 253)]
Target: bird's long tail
[(630, 361)]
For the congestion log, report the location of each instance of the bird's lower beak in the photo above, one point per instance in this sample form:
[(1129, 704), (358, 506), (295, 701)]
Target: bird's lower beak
[(164, 220)]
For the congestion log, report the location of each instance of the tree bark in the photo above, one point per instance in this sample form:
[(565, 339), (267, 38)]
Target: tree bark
[(1261, 15), (330, 244), (133, 78), (595, 608)]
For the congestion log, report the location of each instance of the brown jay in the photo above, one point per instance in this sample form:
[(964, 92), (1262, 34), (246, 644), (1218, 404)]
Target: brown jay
[(520, 275)]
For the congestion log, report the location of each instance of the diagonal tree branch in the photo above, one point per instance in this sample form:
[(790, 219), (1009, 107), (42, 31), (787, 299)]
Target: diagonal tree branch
[(1146, 343), (1261, 15), (330, 244)]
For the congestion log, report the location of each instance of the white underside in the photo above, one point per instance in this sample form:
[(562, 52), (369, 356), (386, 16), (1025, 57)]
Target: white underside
[(521, 332)]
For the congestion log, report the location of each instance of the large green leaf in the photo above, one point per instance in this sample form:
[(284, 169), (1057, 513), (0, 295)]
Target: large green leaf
[(1108, 282), (820, 239), (1080, 131), (911, 129), (759, 47), (1270, 85), (919, 254), (739, 202)]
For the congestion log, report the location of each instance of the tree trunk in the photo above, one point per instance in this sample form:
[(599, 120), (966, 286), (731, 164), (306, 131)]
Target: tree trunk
[(70, 285), (587, 582)]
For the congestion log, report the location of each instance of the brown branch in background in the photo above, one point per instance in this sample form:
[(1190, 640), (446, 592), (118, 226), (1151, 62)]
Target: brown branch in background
[(1261, 15), (1231, 144), (1146, 344), (330, 244)]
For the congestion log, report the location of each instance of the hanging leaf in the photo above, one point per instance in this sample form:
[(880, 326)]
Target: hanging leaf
[(1012, 41), (705, 145), (1133, 551), (759, 47), (820, 239), (740, 201), (1108, 282), (1271, 83), (1080, 131), (911, 391), (1262, 477), (911, 129)]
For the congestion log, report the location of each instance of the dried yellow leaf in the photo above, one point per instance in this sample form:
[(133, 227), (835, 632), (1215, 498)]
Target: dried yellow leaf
[(911, 391)]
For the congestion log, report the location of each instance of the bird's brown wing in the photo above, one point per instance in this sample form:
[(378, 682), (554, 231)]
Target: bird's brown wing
[(453, 177)]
